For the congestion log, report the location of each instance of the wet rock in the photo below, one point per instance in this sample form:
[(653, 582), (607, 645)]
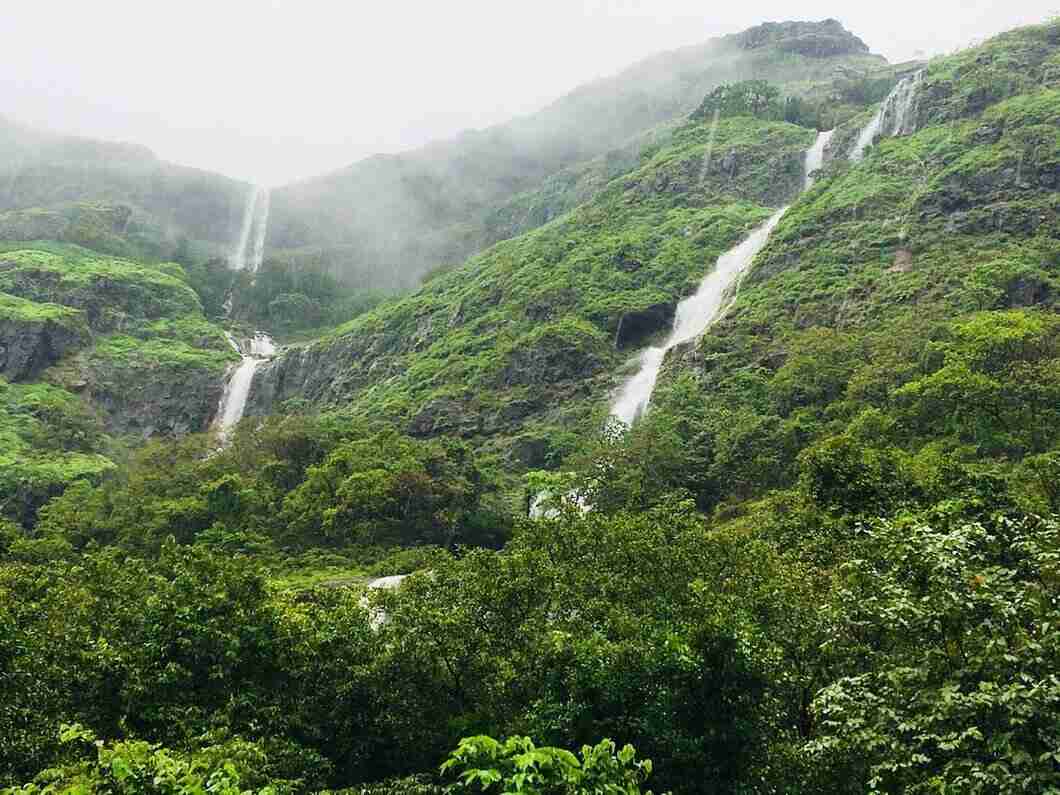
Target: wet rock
[(154, 402), (530, 452), (635, 327), (444, 415)]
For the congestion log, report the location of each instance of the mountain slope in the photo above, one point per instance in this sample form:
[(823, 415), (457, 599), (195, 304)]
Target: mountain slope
[(524, 338), (93, 348), (905, 308), (533, 330), (389, 219)]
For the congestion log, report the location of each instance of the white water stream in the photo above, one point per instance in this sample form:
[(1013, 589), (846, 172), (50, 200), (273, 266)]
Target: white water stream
[(815, 158), (255, 352), (262, 222), (249, 253), (896, 115), (696, 313)]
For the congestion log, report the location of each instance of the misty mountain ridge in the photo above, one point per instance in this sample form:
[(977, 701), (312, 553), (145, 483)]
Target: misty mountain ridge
[(387, 220), (50, 182)]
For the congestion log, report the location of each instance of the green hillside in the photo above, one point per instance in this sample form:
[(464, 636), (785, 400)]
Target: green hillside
[(91, 348), (527, 334)]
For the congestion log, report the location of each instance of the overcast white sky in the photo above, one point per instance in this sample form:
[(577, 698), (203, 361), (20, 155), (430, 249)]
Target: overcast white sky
[(275, 90)]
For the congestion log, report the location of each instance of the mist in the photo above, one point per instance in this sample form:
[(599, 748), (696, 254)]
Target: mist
[(272, 92)]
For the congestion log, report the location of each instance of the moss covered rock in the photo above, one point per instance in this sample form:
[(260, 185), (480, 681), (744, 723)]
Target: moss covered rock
[(34, 336)]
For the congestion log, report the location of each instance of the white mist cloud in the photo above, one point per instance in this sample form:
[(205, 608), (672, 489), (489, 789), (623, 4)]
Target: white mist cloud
[(274, 90)]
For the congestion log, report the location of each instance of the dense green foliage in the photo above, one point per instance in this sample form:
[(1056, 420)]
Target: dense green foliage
[(523, 337), (292, 484), (518, 766), (823, 111), (48, 439), (96, 345), (291, 298)]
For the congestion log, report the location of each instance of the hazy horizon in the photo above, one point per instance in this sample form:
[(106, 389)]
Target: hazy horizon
[(273, 92)]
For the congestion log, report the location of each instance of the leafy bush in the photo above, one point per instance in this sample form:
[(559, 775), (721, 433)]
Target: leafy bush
[(518, 766)]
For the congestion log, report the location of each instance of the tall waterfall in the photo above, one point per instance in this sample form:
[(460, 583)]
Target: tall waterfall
[(238, 260), (696, 313), (262, 222), (895, 116), (256, 221), (234, 400)]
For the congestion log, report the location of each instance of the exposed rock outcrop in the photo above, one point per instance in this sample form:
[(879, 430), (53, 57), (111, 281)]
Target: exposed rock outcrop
[(825, 39), (29, 346)]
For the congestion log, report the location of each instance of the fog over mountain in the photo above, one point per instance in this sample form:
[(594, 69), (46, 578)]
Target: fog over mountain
[(276, 91)]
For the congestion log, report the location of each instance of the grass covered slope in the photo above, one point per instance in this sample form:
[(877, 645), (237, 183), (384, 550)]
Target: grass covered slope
[(48, 439), (528, 333), (111, 292), (93, 345), (388, 220), (901, 326)]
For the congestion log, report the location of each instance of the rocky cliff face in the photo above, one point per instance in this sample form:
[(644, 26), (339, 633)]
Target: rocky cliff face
[(826, 39), (28, 346), (130, 338), (157, 402)]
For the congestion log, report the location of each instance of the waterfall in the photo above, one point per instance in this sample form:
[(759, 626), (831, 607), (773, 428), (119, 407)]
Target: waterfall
[(696, 313), (895, 116), (234, 400), (238, 260), (262, 221), (256, 220), (815, 158)]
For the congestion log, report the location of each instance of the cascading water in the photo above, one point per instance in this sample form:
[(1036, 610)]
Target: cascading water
[(896, 115), (696, 313), (261, 347), (234, 400), (815, 158), (262, 224), (256, 221), (238, 260)]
